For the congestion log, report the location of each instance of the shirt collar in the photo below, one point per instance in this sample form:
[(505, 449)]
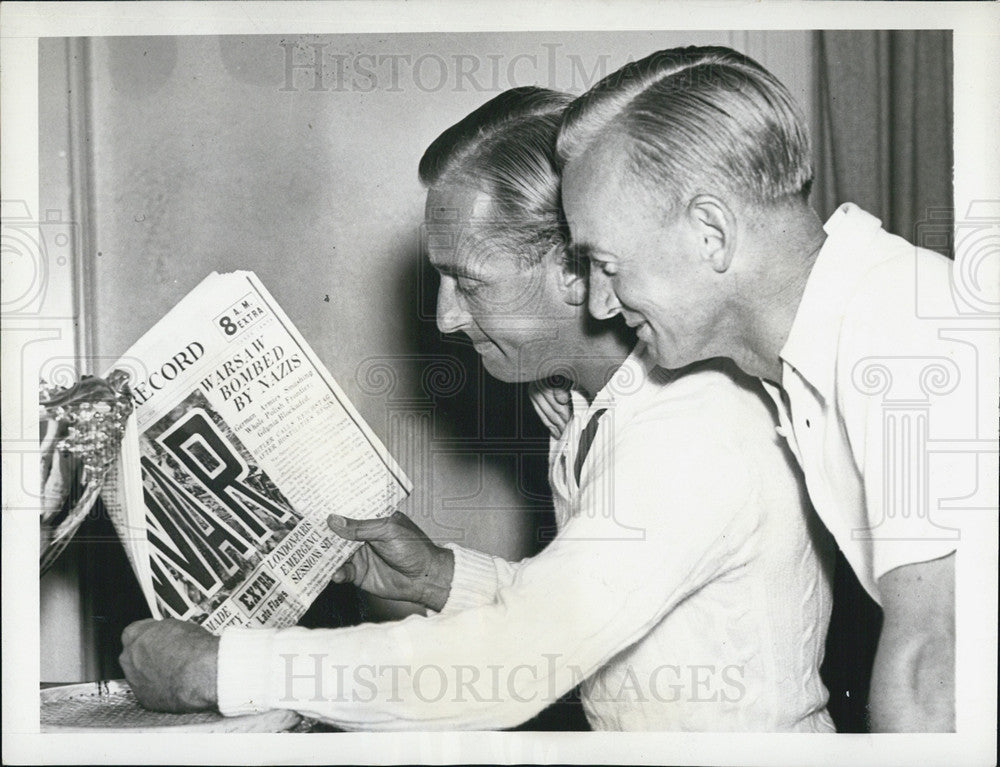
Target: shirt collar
[(843, 259)]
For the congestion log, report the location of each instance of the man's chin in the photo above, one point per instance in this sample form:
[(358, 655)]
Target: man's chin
[(666, 358), (502, 369)]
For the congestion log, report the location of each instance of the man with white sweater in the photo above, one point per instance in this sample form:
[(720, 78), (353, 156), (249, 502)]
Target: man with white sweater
[(687, 587)]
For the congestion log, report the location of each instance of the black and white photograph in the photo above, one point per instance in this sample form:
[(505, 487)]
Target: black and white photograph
[(611, 384)]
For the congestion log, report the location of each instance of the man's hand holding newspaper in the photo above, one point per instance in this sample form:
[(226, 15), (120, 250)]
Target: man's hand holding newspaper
[(172, 666), (398, 562)]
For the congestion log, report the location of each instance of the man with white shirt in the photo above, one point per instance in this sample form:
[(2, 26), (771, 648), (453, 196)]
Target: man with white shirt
[(687, 587), (686, 183)]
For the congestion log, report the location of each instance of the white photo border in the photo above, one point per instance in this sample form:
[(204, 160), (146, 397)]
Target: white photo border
[(976, 29)]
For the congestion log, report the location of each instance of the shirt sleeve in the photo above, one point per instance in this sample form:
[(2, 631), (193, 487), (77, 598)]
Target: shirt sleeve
[(477, 579), (660, 517), (900, 390)]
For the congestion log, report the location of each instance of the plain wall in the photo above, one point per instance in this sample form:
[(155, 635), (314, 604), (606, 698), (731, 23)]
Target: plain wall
[(209, 153)]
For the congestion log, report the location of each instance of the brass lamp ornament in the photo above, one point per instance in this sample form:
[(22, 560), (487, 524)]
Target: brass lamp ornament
[(81, 429)]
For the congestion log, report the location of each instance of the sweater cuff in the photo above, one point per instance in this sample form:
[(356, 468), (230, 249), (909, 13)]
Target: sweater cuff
[(244, 671), (474, 582)]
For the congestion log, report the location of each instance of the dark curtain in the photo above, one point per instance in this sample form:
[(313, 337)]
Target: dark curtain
[(884, 128)]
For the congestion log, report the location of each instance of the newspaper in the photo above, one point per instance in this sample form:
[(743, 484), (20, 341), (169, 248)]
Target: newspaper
[(240, 445)]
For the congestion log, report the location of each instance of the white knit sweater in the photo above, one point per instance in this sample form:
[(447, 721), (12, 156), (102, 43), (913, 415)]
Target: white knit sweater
[(684, 589)]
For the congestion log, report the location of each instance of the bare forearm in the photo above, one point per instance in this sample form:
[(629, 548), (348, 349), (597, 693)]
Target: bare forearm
[(913, 680), (913, 685)]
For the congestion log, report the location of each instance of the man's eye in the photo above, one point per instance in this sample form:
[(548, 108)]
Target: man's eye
[(469, 286), (607, 267)]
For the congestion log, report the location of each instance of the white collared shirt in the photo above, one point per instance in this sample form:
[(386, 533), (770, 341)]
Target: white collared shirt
[(683, 586), (871, 379)]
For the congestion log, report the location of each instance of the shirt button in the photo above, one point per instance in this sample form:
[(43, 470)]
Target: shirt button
[(807, 423)]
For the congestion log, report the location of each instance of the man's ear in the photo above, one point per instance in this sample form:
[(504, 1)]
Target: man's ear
[(572, 276), (715, 228)]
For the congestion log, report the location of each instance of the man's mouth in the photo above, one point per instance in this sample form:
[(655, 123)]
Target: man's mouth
[(632, 319), (638, 324)]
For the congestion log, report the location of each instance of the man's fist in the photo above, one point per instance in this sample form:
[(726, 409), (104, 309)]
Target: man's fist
[(171, 665), (398, 561)]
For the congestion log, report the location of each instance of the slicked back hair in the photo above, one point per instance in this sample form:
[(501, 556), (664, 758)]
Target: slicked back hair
[(506, 149), (697, 120)]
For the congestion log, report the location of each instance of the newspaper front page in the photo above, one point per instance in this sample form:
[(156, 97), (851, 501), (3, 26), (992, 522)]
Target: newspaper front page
[(242, 445)]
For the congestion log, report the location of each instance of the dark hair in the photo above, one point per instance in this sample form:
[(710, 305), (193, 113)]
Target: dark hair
[(506, 149), (695, 115)]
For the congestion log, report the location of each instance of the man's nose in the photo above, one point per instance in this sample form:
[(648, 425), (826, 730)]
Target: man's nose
[(451, 317), (602, 301)]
